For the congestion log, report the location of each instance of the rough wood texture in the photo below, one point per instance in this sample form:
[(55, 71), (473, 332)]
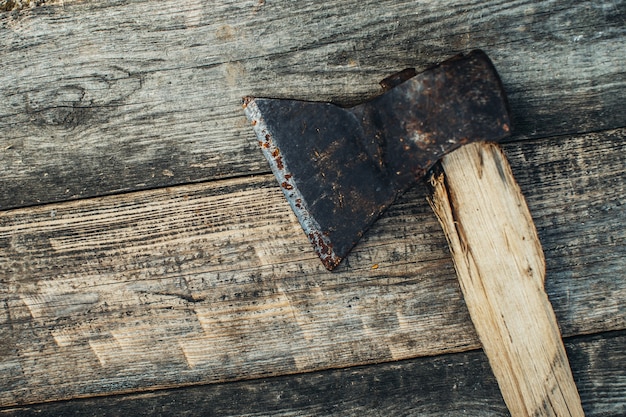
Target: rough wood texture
[(448, 385), (216, 281), (501, 270), (108, 96)]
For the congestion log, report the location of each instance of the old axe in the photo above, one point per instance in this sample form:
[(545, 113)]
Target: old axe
[(340, 168)]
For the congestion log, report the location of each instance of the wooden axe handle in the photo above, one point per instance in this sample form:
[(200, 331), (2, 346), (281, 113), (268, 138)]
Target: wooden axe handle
[(501, 269)]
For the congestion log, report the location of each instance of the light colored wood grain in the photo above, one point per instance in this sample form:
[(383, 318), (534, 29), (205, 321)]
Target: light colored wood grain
[(208, 283), (214, 282), (98, 97), (501, 269)]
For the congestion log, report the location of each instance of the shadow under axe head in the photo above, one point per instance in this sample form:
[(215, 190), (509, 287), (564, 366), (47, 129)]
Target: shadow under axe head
[(340, 168)]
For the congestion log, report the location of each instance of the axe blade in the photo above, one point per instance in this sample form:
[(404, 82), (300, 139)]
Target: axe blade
[(340, 168)]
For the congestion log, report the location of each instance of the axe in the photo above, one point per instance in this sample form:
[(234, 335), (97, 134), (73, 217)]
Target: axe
[(340, 168)]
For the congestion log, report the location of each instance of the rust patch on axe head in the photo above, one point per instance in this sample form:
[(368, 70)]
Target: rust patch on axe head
[(340, 168)]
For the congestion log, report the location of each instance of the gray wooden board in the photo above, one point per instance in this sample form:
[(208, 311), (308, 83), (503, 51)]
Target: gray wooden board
[(109, 96), (216, 281), (457, 384)]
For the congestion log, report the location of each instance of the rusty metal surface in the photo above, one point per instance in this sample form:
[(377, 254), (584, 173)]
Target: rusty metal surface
[(341, 168)]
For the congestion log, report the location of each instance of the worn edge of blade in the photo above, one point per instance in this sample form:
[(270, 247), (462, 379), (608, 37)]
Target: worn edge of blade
[(320, 241)]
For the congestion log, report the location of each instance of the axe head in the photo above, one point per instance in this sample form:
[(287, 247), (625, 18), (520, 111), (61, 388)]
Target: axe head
[(340, 168)]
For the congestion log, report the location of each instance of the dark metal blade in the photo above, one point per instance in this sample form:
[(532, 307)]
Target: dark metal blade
[(341, 168)]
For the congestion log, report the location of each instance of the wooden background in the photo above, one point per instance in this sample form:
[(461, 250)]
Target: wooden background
[(149, 264)]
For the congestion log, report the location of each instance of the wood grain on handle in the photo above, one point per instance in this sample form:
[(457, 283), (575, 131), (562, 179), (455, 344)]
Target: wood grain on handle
[(501, 269)]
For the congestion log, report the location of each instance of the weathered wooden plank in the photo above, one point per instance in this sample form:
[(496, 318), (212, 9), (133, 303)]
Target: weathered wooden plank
[(109, 96), (214, 282), (457, 384)]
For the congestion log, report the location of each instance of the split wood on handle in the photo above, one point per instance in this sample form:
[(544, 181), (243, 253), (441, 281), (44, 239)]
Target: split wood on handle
[(501, 269)]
